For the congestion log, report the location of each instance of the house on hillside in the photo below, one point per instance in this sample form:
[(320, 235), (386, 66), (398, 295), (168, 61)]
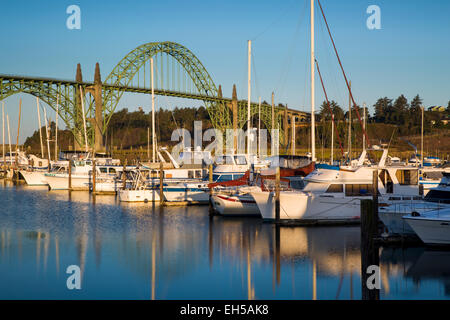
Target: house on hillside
[(437, 109)]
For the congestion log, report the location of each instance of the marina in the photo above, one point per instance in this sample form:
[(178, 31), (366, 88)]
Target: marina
[(152, 182)]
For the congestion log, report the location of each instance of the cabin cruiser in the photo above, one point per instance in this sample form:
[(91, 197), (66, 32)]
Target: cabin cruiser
[(139, 190), (436, 199), (333, 194), (81, 175), (35, 176), (230, 167), (430, 178)]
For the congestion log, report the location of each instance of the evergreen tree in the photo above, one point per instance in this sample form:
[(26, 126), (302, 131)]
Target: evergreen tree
[(382, 108), (415, 114), (335, 108), (400, 108)]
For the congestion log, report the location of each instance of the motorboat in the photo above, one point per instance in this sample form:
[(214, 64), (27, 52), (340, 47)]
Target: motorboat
[(333, 194), (433, 227)]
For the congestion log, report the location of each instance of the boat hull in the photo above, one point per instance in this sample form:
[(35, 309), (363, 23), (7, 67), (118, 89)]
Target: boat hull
[(311, 207), (61, 182), (34, 178), (138, 195), (196, 195), (431, 231), (235, 205), (392, 215)]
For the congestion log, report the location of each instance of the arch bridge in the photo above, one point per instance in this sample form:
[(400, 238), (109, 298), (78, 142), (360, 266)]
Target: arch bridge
[(177, 73)]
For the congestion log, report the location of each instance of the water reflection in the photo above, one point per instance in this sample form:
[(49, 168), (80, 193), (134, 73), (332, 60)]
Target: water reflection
[(145, 251)]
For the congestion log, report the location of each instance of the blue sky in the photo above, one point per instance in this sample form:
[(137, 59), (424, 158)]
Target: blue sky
[(409, 55)]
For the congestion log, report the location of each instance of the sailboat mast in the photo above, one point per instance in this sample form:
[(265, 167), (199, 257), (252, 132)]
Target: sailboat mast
[(421, 139), (56, 128), (313, 120), (259, 127), (153, 114), (3, 132), (350, 124), (293, 135), (249, 129), (18, 133), (18, 124), (364, 127), (47, 135), (84, 121), (332, 139), (9, 140), (40, 130)]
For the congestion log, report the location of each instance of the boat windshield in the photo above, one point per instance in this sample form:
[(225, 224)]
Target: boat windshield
[(240, 160)]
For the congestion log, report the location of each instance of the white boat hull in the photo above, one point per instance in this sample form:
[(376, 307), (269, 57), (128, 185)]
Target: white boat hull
[(303, 206), (138, 195), (186, 195), (61, 182), (34, 178), (235, 205), (431, 231), (392, 215)]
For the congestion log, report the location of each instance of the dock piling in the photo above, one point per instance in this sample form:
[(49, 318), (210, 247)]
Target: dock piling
[(94, 177), (70, 175), (369, 250), (124, 175), (277, 195), (161, 183)]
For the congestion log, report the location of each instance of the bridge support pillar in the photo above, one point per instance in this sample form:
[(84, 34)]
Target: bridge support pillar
[(78, 113), (97, 121), (98, 144)]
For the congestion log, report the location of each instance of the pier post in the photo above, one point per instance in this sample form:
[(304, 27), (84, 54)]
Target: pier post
[(161, 183), (70, 175), (124, 175), (369, 250), (211, 208), (277, 253), (375, 198), (94, 177), (277, 195)]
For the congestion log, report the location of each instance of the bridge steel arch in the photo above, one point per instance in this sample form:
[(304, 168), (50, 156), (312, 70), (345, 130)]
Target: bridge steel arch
[(124, 72), (119, 81)]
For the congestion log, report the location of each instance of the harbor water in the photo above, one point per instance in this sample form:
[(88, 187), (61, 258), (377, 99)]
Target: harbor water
[(143, 251)]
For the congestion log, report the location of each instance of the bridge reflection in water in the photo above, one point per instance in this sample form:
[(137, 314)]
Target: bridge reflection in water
[(147, 252)]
